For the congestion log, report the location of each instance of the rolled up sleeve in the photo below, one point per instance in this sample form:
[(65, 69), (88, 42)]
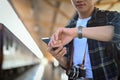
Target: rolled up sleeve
[(114, 20)]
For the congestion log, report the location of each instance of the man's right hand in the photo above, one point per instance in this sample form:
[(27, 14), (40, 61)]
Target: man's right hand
[(59, 55), (58, 52)]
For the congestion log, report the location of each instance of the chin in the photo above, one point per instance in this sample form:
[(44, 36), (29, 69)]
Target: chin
[(82, 10)]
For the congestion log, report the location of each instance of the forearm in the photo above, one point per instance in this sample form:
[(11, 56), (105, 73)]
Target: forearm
[(101, 33)]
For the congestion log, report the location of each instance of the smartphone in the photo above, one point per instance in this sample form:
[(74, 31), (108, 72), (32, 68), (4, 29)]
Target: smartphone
[(46, 40)]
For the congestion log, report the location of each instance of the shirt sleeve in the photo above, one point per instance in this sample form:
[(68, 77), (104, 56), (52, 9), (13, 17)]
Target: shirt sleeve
[(114, 20)]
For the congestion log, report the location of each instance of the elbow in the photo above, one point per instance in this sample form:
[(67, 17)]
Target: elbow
[(109, 34)]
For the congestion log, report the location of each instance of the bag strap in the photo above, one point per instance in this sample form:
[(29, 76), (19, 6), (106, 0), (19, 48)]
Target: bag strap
[(83, 62), (71, 57)]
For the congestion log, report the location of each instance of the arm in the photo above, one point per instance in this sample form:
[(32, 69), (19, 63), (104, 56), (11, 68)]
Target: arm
[(101, 33)]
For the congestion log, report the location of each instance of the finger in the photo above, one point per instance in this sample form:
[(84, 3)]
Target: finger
[(58, 34), (65, 51), (56, 52), (50, 49), (49, 44), (51, 41), (61, 53), (52, 44), (57, 45), (54, 40)]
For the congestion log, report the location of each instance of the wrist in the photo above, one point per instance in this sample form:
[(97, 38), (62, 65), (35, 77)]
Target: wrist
[(80, 32), (74, 32), (63, 62)]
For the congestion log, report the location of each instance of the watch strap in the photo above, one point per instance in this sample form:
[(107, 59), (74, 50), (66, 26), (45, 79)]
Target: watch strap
[(80, 32)]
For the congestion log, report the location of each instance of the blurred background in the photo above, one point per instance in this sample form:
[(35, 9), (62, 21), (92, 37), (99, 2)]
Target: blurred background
[(23, 24)]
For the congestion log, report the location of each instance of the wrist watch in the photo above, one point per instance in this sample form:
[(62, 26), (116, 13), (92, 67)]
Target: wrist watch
[(80, 32)]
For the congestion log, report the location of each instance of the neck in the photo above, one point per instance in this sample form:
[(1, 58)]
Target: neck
[(86, 14)]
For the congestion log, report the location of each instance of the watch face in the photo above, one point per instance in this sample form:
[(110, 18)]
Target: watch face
[(80, 32)]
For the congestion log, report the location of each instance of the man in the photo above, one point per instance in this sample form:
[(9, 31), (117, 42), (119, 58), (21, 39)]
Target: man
[(90, 43)]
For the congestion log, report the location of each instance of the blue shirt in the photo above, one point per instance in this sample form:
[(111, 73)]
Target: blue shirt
[(81, 50)]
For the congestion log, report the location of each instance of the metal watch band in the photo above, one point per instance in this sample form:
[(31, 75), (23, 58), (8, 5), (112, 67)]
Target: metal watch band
[(80, 32)]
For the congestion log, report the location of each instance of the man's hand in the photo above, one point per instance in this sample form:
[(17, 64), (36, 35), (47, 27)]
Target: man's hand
[(59, 55), (63, 36)]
